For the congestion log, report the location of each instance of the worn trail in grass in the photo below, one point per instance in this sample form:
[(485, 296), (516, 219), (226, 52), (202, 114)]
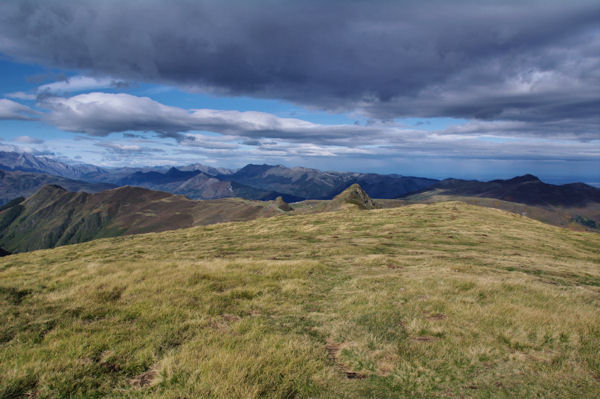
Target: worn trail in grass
[(442, 300)]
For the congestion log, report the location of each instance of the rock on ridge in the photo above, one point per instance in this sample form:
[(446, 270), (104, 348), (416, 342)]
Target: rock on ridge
[(357, 196), (281, 204)]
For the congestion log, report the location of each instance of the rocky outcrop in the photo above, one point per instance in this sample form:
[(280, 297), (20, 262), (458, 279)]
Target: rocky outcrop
[(357, 196)]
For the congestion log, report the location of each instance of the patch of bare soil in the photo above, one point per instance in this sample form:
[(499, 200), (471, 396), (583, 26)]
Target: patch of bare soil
[(424, 338), (436, 316), (333, 352), (144, 379)]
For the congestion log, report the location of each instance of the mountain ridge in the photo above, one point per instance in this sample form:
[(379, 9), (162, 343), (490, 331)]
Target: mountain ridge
[(53, 216), (27, 162), (315, 184), (18, 183), (526, 189)]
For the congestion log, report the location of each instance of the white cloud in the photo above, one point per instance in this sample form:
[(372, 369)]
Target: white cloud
[(262, 136), (28, 140), (20, 95), (10, 110), (79, 83), (99, 114), (209, 142)]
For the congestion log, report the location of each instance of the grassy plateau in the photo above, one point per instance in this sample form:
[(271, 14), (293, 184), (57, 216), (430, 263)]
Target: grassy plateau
[(443, 300)]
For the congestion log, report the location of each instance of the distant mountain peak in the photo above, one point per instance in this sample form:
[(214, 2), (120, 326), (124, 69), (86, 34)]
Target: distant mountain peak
[(524, 179), (41, 164), (355, 195)]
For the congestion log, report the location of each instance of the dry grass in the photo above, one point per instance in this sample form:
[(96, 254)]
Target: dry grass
[(563, 216), (441, 300)]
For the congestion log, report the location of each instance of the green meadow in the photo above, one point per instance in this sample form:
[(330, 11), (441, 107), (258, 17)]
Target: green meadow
[(444, 300)]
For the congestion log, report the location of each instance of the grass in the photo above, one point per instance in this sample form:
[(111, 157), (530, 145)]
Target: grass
[(582, 218), (441, 300)]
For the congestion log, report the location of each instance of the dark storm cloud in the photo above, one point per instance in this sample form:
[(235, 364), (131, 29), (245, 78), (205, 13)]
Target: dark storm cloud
[(534, 61)]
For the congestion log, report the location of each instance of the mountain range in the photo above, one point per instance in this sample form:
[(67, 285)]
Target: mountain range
[(40, 164), (197, 181), (526, 189), (43, 210), (196, 184), (315, 184)]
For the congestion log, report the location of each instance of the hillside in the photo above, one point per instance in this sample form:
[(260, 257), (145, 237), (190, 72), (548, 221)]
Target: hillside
[(575, 206), (54, 216), (440, 300), (15, 184)]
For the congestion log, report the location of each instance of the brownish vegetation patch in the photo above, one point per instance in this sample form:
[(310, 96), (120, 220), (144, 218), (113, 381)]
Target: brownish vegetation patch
[(436, 316), (144, 379)]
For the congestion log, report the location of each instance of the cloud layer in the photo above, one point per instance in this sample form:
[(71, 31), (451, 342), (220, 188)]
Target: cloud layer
[(525, 77), (10, 110), (78, 83), (534, 61), (259, 134), (99, 114)]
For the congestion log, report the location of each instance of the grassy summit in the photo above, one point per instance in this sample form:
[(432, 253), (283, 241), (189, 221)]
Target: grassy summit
[(440, 300)]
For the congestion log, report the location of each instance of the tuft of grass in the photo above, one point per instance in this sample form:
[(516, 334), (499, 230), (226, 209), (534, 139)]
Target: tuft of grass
[(440, 300)]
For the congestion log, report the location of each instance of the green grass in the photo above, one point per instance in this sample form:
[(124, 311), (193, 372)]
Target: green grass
[(441, 300)]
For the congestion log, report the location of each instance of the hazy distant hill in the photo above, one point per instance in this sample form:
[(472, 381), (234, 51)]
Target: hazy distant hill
[(158, 178), (526, 189), (30, 163), (315, 184), (198, 185), (15, 184), (264, 182), (209, 170), (41, 164), (268, 182), (54, 216)]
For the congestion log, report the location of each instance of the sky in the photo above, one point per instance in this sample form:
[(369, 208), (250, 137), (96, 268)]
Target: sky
[(464, 89)]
